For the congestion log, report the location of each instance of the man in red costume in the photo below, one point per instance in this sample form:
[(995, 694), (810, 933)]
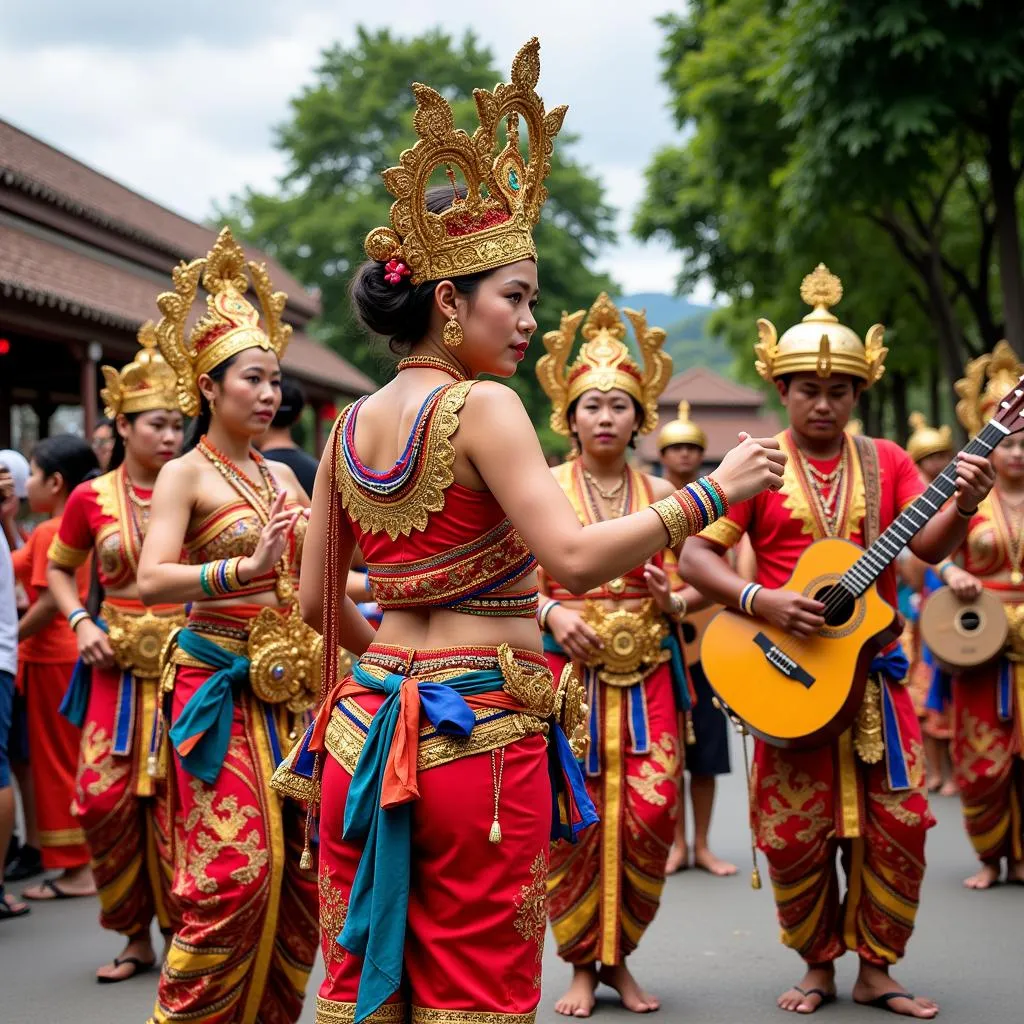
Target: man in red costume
[(859, 795)]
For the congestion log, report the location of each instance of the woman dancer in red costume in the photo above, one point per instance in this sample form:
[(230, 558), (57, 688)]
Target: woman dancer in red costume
[(245, 668), (434, 831), (114, 691)]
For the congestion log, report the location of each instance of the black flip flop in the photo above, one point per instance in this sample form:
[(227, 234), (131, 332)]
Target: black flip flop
[(58, 893), (7, 912), (825, 997), (141, 967), (884, 1002)]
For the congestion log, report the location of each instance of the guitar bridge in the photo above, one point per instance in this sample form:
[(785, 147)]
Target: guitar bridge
[(782, 662)]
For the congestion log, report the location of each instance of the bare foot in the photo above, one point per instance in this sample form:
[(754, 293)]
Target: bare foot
[(816, 988), (633, 996), (678, 859), (875, 987), (949, 788), (934, 783), (985, 878), (703, 858), (124, 967), (579, 1000)]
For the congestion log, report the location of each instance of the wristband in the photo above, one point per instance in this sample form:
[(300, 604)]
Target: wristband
[(941, 569), (542, 615), (679, 606), (964, 514), (78, 616), (747, 595), (220, 578)]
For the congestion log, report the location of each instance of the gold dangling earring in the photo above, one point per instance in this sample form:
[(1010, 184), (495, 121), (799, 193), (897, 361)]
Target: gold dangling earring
[(452, 334)]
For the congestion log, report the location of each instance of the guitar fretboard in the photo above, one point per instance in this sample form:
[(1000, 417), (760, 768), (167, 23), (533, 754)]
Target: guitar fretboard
[(885, 550)]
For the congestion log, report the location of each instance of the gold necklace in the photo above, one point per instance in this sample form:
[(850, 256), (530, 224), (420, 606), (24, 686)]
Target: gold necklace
[(830, 507), (1013, 527), (430, 363), (607, 495)]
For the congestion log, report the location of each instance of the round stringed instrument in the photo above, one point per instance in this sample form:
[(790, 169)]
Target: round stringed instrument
[(794, 692), (963, 634)]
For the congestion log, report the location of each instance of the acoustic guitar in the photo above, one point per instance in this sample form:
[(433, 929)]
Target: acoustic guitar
[(794, 692)]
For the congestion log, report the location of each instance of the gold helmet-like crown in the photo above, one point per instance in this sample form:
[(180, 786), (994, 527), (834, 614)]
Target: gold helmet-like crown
[(230, 324), (820, 343), (682, 431), (145, 384), (492, 225), (987, 381), (604, 362), (925, 440)]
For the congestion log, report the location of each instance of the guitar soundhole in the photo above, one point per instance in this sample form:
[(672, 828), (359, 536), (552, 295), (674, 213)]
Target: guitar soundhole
[(969, 621), (840, 609)]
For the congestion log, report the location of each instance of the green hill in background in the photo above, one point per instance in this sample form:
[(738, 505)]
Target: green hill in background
[(685, 323)]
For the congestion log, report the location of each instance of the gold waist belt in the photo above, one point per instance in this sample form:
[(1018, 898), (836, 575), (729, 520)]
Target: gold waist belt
[(138, 637), (284, 657), (632, 642)]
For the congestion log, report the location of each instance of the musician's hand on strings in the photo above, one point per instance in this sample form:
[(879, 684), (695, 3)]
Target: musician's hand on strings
[(573, 635), (753, 466), (801, 616), (270, 546), (965, 587), (975, 477)]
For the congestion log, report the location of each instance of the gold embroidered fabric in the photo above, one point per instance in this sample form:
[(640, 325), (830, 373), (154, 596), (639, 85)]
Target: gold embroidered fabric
[(96, 756), (138, 638), (330, 1011), (333, 911), (723, 532), (64, 555), (796, 493), (631, 642), (422, 1015), (412, 510), (868, 739), (796, 795), (532, 910), (662, 767)]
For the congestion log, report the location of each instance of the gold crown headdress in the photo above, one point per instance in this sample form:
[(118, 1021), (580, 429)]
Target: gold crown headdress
[(492, 225), (682, 430), (230, 324), (145, 384), (820, 343), (925, 440), (604, 362), (987, 381)]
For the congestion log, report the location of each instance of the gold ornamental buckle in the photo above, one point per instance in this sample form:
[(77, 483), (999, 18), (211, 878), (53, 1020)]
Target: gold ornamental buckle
[(138, 639), (632, 642), (285, 659)]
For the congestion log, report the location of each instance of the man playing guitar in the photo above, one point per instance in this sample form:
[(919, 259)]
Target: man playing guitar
[(807, 805)]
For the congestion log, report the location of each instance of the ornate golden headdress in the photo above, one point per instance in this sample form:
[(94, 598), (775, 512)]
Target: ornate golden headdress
[(492, 226), (820, 343), (230, 324), (925, 440), (145, 384), (603, 362), (987, 381), (682, 431)]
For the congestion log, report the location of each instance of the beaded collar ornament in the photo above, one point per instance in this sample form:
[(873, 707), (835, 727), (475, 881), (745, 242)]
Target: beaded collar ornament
[(230, 324), (145, 384), (603, 362), (492, 225), (820, 343)]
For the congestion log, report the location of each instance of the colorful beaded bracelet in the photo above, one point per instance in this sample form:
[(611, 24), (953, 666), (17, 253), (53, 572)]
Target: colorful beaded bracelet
[(747, 595), (544, 612), (220, 578), (689, 510), (79, 615)]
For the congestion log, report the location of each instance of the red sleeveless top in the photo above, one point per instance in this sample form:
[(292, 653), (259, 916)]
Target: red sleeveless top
[(428, 541)]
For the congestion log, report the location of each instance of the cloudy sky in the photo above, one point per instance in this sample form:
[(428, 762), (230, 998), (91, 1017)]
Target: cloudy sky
[(178, 100)]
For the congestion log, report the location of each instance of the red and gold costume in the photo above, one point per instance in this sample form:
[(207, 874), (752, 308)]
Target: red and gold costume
[(434, 829), (988, 701), (243, 677), (119, 801), (863, 793), (603, 894), (45, 664)]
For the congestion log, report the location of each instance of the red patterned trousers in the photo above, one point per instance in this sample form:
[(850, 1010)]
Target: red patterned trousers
[(987, 757), (246, 940), (807, 807), (122, 809), (604, 891)]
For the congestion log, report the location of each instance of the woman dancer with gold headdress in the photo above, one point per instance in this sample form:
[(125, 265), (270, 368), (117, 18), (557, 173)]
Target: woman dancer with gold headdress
[(434, 833), (622, 637), (988, 702), (115, 689), (243, 670)]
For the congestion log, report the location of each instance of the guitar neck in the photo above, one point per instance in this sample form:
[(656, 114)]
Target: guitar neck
[(886, 549)]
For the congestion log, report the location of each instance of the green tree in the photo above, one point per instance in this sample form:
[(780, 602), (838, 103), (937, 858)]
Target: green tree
[(352, 122), (766, 183)]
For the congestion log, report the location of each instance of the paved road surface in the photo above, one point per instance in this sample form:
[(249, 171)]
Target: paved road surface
[(712, 954)]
